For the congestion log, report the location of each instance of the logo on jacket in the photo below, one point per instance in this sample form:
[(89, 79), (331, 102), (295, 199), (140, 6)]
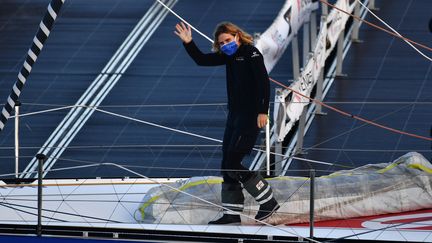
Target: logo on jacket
[(239, 58), (255, 54)]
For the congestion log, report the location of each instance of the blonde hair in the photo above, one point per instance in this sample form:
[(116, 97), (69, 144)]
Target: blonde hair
[(230, 28)]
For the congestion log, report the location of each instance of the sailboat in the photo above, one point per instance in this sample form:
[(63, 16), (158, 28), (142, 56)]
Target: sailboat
[(159, 200)]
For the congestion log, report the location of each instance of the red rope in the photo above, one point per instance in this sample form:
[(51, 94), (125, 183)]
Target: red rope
[(353, 116)]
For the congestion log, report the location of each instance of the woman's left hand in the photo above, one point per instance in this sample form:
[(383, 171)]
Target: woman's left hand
[(262, 120)]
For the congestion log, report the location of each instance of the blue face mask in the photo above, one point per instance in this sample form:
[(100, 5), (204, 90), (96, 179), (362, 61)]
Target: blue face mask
[(229, 48)]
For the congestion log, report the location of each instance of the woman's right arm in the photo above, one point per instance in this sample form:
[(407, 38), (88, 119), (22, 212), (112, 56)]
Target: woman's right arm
[(202, 59), (209, 59)]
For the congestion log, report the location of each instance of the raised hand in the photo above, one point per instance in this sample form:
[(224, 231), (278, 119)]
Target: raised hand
[(183, 32)]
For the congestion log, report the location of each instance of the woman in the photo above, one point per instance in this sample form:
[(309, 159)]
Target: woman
[(248, 102)]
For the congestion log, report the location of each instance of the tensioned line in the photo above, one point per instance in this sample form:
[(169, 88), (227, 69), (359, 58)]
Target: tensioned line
[(41, 36), (392, 29), (102, 85), (331, 107), (359, 118)]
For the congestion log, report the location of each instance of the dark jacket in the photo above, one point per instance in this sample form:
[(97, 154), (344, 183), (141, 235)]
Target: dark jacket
[(248, 85)]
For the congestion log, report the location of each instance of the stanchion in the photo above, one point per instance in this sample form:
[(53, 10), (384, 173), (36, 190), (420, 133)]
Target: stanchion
[(371, 5), (319, 94), (320, 82), (339, 58), (356, 26), (301, 132), (313, 28), (17, 112), (306, 42), (267, 129), (295, 57), (41, 158), (278, 158), (311, 203), (278, 118), (324, 9)]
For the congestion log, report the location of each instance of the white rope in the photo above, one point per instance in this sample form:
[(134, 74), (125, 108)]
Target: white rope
[(369, 150), (197, 135), (124, 146), (211, 203), (310, 160), (179, 168), (178, 16), (50, 170), (128, 146), (166, 105), (218, 104), (180, 191), (313, 161), (168, 167), (163, 127), (45, 111), (41, 104), (397, 33), (157, 125)]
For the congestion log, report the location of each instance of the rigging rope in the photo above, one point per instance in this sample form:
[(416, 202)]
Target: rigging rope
[(328, 106), (344, 113), (39, 39), (181, 192), (353, 116), (203, 137), (377, 27), (388, 26), (209, 203), (225, 104)]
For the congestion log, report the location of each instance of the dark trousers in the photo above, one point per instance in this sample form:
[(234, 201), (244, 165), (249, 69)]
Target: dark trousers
[(239, 138)]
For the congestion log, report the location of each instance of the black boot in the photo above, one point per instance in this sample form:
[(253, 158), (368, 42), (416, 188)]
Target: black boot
[(267, 209), (232, 199), (227, 219), (263, 194)]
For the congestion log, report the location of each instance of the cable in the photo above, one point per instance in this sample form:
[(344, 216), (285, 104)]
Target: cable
[(157, 125), (6, 205), (225, 104), (358, 127), (186, 193), (353, 116), (45, 111), (91, 163), (211, 138), (141, 175), (188, 134), (377, 27), (177, 147), (323, 1), (193, 169), (196, 135), (124, 146), (333, 108), (178, 16), (58, 212), (210, 203), (369, 150), (206, 104), (388, 26)]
